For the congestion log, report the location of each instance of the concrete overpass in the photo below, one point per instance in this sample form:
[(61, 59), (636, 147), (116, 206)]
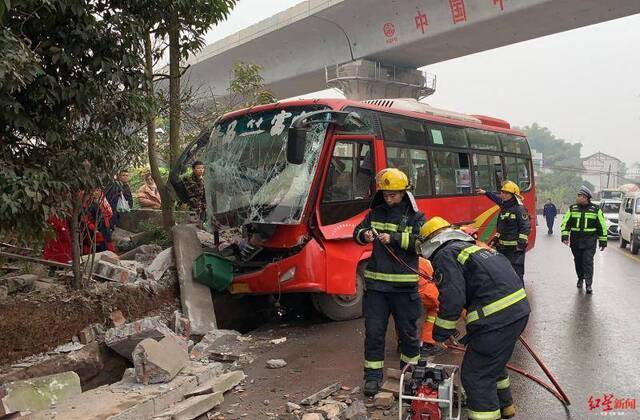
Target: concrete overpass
[(294, 46)]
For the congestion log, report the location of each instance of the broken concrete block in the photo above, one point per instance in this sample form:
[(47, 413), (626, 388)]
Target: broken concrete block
[(332, 410), (161, 263), (391, 385), (121, 236), (88, 334), (214, 340), (22, 283), (383, 400), (117, 318), (276, 363), (39, 393), (356, 411), (48, 284), (123, 339), (114, 272), (222, 384), (312, 416), (98, 256), (192, 407), (195, 298), (323, 393), (149, 250), (393, 374), (182, 326), (158, 362), (291, 407)]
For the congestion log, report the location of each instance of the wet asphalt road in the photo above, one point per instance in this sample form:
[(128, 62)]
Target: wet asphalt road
[(590, 343)]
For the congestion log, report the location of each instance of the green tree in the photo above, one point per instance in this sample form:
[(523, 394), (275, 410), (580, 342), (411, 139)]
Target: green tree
[(71, 81)]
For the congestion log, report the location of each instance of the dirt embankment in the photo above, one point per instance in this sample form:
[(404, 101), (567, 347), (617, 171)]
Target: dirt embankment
[(38, 322)]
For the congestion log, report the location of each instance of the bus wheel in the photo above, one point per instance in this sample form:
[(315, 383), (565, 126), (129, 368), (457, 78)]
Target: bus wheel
[(341, 307)]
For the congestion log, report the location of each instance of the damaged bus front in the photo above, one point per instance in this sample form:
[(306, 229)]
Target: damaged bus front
[(262, 179)]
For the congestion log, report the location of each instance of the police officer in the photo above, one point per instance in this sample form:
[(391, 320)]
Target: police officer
[(481, 281), (391, 279), (585, 224), (513, 225)]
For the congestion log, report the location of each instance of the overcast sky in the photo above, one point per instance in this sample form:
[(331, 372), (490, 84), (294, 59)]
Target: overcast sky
[(584, 85)]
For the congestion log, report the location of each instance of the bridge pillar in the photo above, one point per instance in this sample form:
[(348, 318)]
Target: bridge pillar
[(364, 79)]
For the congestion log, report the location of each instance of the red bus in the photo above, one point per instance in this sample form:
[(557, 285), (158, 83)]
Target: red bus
[(286, 184)]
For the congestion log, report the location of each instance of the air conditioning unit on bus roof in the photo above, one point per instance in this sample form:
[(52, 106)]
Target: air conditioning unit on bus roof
[(410, 104)]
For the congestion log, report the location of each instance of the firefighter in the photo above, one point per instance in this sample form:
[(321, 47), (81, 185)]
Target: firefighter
[(480, 280), (585, 224), (391, 279), (513, 225)]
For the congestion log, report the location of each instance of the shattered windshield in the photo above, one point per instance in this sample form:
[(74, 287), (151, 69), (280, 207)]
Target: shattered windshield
[(248, 178)]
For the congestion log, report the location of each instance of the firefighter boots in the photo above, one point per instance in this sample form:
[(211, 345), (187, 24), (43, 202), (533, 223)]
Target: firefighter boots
[(508, 412), (579, 284), (371, 387)]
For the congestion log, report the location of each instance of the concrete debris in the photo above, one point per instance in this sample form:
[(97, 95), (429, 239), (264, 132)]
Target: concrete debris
[(114, 272), (4, 292), (266, 402), (124, 338), (391, 385), (393, 374), (22, 283), (291, 407), (98, 256), (48, 284), (39, 393), (206, 238), (356, 411), (278, 340), (323, 393), (215, 340), (128, 400), (149, 251), (383, 400), (276, 363), (196, 300), (332, 410), (117, 319), (192, 407), (68, 347), (222, 384), (121, 237), (158, 362), (182, 326), (161, 263), (313, 416), (89, 334)]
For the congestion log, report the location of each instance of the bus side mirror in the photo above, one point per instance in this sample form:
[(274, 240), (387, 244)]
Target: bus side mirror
[(296, 143)]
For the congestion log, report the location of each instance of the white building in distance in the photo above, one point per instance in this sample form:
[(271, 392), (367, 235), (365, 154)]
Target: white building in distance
[(602, 170)]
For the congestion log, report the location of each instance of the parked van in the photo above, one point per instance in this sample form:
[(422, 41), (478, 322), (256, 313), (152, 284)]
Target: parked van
[(629, 222)]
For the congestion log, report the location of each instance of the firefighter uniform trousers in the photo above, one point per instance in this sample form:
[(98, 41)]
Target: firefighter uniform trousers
[(484, 373), (405, 309), (513, 233)]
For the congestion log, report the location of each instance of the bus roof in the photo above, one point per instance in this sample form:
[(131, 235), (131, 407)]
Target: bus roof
[(436, 115)]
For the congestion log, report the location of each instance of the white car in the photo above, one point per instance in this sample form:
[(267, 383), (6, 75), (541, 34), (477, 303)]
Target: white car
[(611, 210), (630, 222)]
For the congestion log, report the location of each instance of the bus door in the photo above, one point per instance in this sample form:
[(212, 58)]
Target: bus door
[(488, 171), (348, 186)]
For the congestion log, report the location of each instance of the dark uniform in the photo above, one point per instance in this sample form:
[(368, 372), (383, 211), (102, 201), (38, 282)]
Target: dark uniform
[(481, 281), (512, 233), (390, 286), (195, 190), (586, 226)]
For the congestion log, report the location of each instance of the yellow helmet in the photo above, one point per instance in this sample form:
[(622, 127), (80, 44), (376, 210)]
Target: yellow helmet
[(510, 187), (392, 179), (434, 224)]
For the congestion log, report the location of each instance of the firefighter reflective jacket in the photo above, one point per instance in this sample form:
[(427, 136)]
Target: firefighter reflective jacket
[(402, 221), (514, 225), (479, 280), (585, 225)]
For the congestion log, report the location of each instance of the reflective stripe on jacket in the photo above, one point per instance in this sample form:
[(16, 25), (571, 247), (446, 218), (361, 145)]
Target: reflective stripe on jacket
[(514, 225), (584, 224), (481, 281), (402, 223)]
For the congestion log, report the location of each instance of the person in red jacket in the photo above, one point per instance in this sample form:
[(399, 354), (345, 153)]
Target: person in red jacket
[(58, 247), (97, 215)]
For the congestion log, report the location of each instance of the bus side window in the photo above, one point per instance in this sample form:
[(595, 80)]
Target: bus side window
[(415, 164), (403, 130), (451, 173), (488, 172), (518, 171)]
